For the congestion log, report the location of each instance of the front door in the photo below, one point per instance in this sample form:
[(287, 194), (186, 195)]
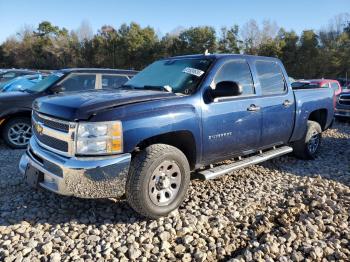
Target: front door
[(231, 125)]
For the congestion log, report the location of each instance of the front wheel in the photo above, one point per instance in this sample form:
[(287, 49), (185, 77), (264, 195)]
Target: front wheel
[(158, 180), (17, 132), (307, 147)]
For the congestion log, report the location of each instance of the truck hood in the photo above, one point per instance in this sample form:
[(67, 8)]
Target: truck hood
[(80, 106)]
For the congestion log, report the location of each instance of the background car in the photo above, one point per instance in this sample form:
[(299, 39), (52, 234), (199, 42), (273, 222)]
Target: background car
[(16, 106), (13, 73), (21, 82)]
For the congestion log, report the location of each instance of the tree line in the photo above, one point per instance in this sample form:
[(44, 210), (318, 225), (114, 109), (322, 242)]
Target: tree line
[(312, 54)]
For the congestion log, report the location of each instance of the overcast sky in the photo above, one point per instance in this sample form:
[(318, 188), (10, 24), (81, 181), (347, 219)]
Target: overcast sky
[(164, 15)]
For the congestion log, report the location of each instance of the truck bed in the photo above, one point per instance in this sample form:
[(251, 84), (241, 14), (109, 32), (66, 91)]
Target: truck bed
[(307, 101)]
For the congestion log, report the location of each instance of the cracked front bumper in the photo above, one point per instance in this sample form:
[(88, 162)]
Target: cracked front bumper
[(85, 177)]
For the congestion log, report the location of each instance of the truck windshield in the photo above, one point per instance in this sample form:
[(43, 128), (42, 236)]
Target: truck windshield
[(172, 75), (45, 83)]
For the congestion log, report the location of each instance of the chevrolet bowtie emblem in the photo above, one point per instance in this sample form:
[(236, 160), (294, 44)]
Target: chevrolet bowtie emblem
[(39, 128)]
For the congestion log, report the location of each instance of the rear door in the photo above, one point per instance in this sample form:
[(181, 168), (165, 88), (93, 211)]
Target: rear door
[(277, 103)]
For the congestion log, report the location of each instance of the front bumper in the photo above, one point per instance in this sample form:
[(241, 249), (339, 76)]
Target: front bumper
[(85, 177), (342, 112)]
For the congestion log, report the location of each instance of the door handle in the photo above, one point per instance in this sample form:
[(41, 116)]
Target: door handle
[(253, 108), (287, 103)]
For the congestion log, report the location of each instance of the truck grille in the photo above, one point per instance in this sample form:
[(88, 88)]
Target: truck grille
[(61, 126), (54, 134), (344, 100), (51, 142)]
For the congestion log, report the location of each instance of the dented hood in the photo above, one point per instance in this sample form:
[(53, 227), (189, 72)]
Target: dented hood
[(74, 106)]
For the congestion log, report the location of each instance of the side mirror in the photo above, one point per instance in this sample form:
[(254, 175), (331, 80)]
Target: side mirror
[(226, 88), (57, 89)]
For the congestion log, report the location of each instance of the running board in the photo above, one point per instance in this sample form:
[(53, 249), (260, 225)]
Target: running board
[(243, 162)]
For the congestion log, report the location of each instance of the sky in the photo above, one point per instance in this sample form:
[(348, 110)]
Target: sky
[(164, 16)]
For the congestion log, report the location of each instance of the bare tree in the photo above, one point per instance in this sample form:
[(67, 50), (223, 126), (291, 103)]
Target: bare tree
[(84, 31)]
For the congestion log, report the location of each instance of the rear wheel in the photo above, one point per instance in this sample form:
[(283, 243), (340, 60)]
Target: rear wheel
[(158, 180), (17, 132), (307, 147)]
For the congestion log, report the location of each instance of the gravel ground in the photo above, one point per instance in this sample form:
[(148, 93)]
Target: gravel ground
[(284, 209)]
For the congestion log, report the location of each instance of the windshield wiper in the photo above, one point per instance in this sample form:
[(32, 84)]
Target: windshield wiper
[(165, 88)]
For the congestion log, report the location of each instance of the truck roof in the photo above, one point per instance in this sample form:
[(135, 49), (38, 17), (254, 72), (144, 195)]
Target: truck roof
[(216, 56), (98, 70)]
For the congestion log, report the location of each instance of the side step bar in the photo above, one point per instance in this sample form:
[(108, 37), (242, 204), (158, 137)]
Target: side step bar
[(244, 162)]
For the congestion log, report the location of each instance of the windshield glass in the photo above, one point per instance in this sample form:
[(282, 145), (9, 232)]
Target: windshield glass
[(45, 83), (172, 75)]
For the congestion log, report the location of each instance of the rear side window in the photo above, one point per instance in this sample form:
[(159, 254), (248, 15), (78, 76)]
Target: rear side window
[(335, 86), (237, 71), (270, 77), (113, 81)]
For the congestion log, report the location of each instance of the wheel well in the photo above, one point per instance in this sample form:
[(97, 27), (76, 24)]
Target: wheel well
[(13, 115), (319, 116), (182, 140)]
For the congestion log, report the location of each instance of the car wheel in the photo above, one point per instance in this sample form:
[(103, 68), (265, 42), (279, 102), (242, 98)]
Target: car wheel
[(158, 180), (17, 132), (307, 147)]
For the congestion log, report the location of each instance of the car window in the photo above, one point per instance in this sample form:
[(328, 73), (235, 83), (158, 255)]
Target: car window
[(77, 82), (335, 86), (113, 81), (9, 75), (270, 77), (325, 85), (237, 71)]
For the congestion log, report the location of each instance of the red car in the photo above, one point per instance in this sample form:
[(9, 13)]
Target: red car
[(317, 83)]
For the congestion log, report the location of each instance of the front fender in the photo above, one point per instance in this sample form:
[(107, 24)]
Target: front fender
[(159, 122)]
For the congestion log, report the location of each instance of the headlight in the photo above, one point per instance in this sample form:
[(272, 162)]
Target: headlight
[(99, 138)]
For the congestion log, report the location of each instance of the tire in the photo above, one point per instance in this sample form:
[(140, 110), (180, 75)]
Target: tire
[(17, 132), (158, 180), (307, 147)]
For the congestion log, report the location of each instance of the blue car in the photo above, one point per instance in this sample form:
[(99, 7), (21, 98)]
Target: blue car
[(21, 83)]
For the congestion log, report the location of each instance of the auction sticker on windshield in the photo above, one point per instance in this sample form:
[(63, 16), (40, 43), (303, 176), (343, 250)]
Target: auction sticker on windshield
[(193, 71)]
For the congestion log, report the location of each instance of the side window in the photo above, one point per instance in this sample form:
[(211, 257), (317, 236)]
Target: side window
[(335, 86), (270, 77), (237, 71), (78, 82), (326, 85), (9, 75), (113, 81)]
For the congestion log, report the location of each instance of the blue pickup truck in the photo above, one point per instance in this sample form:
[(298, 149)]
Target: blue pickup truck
[(178, 116)]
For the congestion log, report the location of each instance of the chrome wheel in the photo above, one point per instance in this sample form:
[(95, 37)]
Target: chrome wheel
[(164, 183), (19, 134), (314, 142)]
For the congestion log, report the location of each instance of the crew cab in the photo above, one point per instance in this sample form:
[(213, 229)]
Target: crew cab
[(16, 107), (179, 115)]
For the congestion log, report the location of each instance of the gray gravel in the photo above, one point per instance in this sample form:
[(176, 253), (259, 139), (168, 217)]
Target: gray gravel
[(284, 209)]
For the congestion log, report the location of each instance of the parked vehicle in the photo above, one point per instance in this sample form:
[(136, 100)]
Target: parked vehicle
[(16, 107), (7, 75), (178, 115), (342, 109), (21, 83)]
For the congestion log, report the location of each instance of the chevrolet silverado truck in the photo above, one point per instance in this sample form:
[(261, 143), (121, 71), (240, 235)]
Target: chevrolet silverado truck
[(178, 116)]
